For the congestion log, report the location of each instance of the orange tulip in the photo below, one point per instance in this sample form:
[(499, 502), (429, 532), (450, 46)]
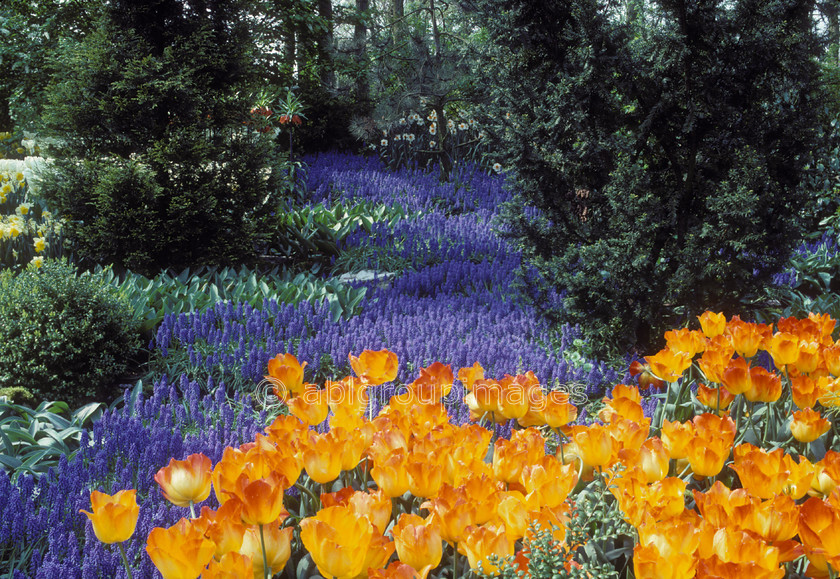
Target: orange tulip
[(594, 444), (114, 518), (375, 505), (708, 450), (261, 500), (722, 507), (553, 520), (310, 406), (736, 376), (453, 514), (349, 394), (715, 398), (675, 437), (508, 461), (418, 542), (232, 565), (810, 356), (646, 377), (425, 474), (668, 365), (800, 476), (512, 511), (827, 473), (686, 341), (622, 408), (224, 527), (548, 482), (390, 474), (808, 425), (804, 390), (666, 550), (338, 540), (378, 554), (286, 374), (375, 368), (747, 338), (831, 357), (819, 531), (468, 376), (716, 359), (784, 347), (712, 324), (434, 383), (557, 410), (322, 456), (762, 473), (185, 481), (181, 551), (775, 520), (481, 542), (654, 459), (728, 552), (765, 386), (278, 548)]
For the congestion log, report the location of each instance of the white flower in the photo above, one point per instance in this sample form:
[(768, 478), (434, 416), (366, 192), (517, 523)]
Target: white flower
[(397, 137), (433, 129), (38, 261), (409, 137), (384, 142), (402, 121), (432, 144), (23, 209), (463, 126), (497, 167)]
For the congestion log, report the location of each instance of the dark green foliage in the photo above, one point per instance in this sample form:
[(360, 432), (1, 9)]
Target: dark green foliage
[(154, 102), (665, 154), (63, 336)]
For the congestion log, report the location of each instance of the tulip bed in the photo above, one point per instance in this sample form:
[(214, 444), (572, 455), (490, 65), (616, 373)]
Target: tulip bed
[(412, 467)]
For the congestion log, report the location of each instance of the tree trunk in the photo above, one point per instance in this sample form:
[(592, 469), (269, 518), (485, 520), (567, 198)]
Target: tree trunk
[(325, 43), (360, 38)]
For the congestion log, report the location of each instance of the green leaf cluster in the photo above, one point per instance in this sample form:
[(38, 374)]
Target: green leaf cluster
[(33, 439), (63, 336)]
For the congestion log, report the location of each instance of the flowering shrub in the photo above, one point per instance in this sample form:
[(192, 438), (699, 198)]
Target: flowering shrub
[(417, 140), (28, 231), (13, 145)]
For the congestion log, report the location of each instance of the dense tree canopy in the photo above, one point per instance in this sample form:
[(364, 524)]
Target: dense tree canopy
[(660, 156)]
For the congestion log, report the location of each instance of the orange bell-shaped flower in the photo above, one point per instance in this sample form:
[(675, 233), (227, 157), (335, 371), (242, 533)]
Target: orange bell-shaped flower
[(481, 542), (338, 541), (262, 500), (594, 444), (310, 406), (322, 456), (418, 542), (286, 374), (186, 481), (686, 341), (278, 548), (468, 376), (764, 386), (808, 425), (784, 348), (375, 368), (231, 565), (114, 518), (669, 365), (181, 551), (712, 324)]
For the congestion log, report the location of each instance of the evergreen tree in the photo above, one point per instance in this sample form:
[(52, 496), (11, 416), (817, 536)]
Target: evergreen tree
[(661, 157), (156, 164)]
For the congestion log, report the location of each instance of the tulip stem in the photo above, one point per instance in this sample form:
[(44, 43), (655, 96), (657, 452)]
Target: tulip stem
[(266, 570), (125, 561), (560, 444), (309, 493), (192, 510), (455, 561)]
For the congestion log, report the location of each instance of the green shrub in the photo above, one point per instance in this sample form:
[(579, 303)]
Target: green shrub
[(63, 336)]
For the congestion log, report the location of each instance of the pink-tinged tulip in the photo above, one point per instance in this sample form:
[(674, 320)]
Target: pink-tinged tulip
[(186, 481)]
